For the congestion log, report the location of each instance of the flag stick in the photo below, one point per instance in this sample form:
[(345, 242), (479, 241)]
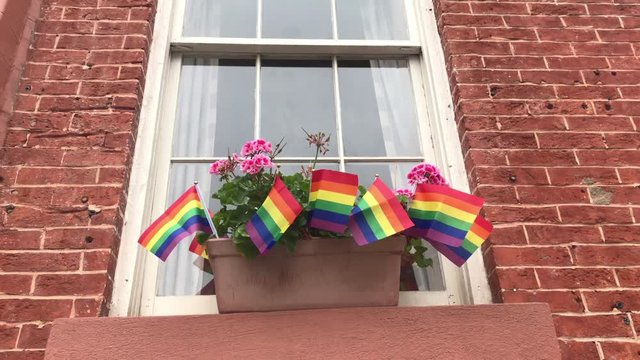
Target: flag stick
[(206, 210)]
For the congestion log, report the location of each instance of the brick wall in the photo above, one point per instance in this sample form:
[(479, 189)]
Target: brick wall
[(546, 98), (64, 166)]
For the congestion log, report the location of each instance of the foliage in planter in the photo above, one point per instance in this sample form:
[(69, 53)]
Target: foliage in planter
[(241, 195)]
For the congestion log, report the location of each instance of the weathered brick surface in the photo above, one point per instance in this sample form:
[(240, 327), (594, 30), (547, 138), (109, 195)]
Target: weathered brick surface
[(68, 150), (547, 101)]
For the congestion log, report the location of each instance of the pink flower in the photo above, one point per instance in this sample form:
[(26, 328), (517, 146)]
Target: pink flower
[(224, 167), (256, 164), (404, 192), (425, 173), (259, 146)]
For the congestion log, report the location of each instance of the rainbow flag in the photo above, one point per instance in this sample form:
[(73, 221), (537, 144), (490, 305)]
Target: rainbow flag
[(442, 214), (184, 217), (274, 217), (198, 248), (477, 235), (331, 199), (379, 214)]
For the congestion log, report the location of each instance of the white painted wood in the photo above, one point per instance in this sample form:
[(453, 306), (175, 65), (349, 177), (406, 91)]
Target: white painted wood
[(294, 47), (185, 305), (128, 274), (446, 140)]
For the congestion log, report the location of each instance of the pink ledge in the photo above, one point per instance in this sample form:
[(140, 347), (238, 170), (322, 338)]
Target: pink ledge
[(514, 331)]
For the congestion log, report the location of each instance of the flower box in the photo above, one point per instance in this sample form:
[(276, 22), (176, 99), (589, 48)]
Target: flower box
[(321, 273)]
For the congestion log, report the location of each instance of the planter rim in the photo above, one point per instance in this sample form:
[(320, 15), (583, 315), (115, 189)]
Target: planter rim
[(223, 247)]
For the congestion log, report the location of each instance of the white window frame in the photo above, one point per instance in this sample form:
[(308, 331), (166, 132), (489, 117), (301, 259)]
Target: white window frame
[(135, 277)]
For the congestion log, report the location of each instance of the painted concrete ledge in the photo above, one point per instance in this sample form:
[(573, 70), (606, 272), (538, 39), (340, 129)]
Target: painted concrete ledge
[(514, 331)]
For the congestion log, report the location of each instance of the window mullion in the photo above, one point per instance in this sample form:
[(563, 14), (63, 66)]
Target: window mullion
[(334, 19), (336, 92), (256, 129), (259, 20)]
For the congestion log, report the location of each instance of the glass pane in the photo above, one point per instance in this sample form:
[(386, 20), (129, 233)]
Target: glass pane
[(379, 115), (372, 19), (221, 18), (297, 19), (412, 277), (216, 107), (182, 273), (296, 95)]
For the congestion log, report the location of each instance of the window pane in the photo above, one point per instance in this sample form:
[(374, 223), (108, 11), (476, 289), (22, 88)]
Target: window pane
[(296, 95), (372, 19), (379, 115), (221, 18), (297, 19), (216, 104), (412, 277)]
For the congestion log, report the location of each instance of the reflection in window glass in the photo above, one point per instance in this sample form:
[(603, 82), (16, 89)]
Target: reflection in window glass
[(372, 19), (296, 95), (296, 19), (216, 105), (221, 18), (379, 113)]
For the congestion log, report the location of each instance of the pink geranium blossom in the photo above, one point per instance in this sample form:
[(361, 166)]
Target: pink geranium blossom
[(255, 147), (425, 173), (224, 167), (256, 164), (404, 192)]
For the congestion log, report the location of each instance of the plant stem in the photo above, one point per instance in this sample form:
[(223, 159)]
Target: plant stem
[(315, 159)]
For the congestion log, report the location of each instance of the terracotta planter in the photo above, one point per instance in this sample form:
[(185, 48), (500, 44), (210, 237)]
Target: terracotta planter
[(322, 273)]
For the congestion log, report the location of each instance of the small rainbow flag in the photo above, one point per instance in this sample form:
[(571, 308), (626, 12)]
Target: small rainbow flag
[(331, 199), (479, 232), (198, 248), (274, 217), (379, 214), (442, 214), (184, 217)]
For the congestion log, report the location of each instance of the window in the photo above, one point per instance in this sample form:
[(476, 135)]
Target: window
[(233, 70)]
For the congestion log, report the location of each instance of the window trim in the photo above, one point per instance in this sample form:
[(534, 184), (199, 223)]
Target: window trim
[(128, 287)]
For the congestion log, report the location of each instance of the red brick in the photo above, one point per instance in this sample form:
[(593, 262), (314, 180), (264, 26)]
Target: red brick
[(510, 175), (90, 42), (541, 48), (557, 235), (112, 122), (65, 139), (15, 284), (603, 48), (83, 73), (562, 107), (472, 20), (26, 195), (87, 307), (608, 157), (27, 217), (74, 103), (607, 255), (454, 7), (620, 350), (587, 92), (499, 8), (100, 57), (93, 157), (532, 256), (126, 3), (102, 88), (590, 123), (506, 34), (34, 336), (508, 214), (70, 284), (522, 92), (43, 176), (575, 278), (559, 301), (473, 91), (487, 140), (8, 336), (115, 175), (540, 122), (594, 214), (604, 301), (553, 195), (579, 350), (50, 88), (595, 22), (510, 235), (591, 326), (582, 176), (122, 28), (578, 63), (97, 260), (557, 9), (513, 279), (541, 158), (21, 310), (625, 62), (486, 76), (22, 355), (612, 77), (614, 9), (520, 62), (37, 262), (629, 277), (96, 195), (497, 194), (31, 157), (486, 157), (79, 238), (570, 141), (534, 21), (65, 27), (568, 35), (19, 239), (478, 47), (95, 14), (59, 56), (565, 77)]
